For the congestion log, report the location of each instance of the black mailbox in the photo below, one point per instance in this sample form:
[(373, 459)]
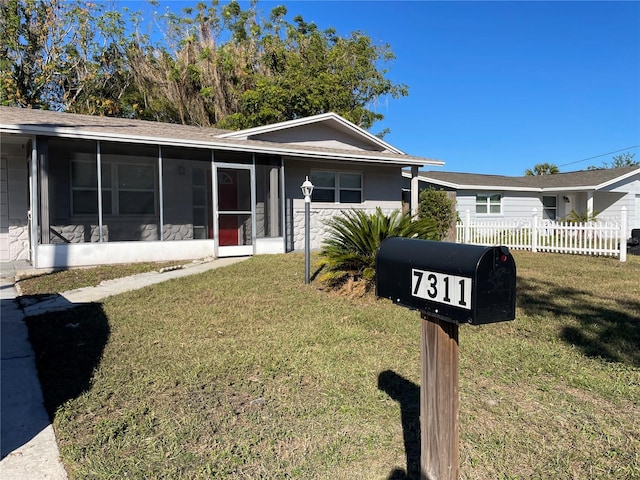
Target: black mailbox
[(451, 281)]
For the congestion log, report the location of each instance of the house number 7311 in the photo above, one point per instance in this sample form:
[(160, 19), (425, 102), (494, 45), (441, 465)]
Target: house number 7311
[(442, 288)]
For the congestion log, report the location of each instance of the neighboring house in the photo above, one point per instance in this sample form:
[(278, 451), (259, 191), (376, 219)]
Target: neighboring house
[(603, 191), (176, 192)]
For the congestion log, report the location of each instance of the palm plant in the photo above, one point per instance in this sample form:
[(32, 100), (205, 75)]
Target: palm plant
[(349, 251), (580, 217), (542, 169)]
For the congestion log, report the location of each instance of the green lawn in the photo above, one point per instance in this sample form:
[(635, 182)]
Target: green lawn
[(246, 372)]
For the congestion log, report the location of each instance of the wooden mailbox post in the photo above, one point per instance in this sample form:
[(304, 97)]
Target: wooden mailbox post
[(450, 284)]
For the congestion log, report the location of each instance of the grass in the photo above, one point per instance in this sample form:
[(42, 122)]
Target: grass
[(63, 280), (246, 372)]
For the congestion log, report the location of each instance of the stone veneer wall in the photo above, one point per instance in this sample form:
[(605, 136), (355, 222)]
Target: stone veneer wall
[(143, 232), (177, 232), (125, 232), (78, 234), (318, 217), (18, 240)]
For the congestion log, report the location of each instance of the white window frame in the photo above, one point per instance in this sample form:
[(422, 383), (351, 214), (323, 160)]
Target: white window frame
[(337, 189), (487, 204)]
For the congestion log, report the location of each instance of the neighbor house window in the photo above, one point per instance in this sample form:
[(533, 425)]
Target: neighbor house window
[(336, 187), (549, 207), (127, 189), (489, 204)]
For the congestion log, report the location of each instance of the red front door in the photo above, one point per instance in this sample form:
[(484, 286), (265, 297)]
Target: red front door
[(227, 206)]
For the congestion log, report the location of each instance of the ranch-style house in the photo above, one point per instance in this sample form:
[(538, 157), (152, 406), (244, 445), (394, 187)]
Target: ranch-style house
[(85, 190)]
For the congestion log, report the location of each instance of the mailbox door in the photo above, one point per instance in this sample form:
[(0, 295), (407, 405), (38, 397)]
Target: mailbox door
[(495, 295)]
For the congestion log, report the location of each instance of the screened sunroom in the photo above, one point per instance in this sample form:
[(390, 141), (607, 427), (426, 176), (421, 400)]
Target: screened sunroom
[(155, 202)]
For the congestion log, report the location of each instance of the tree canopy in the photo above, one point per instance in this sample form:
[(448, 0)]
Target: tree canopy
[(542, 169), (215, 65), (623, 160)]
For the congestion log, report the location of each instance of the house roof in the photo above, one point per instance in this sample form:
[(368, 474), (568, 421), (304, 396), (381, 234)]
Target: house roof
[(44, 122), (579, 180), (329, 118)]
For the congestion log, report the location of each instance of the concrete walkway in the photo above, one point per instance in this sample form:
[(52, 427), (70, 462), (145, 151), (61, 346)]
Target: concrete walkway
[(27, 439)]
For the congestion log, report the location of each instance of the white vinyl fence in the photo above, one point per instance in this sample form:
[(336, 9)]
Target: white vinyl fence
[(589, 238)]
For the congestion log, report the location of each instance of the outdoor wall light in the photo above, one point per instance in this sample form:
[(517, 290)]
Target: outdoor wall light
[(307, 190)]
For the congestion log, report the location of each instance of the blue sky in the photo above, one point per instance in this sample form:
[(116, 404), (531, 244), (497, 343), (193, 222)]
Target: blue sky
[(497, 87)]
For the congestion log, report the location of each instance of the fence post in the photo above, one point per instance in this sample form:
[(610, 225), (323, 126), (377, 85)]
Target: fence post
[(623, 234), (534, 231), (467, 225)]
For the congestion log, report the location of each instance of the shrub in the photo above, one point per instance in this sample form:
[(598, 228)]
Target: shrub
[(349, 252), (436, 205)]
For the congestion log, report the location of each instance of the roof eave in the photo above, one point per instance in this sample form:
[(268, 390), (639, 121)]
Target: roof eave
[(579, 188), (499, 188), (617, 179), (459, 186), (89, 135)]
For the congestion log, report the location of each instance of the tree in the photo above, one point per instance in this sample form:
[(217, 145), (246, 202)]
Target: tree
[(542, 169), (267, 71), (31, 50), (349, 250), (62, 56), (622, 160), (215, 65), (438, 206)]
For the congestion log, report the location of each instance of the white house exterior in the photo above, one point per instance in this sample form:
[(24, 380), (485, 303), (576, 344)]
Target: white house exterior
[(175, 192), (603, 191)]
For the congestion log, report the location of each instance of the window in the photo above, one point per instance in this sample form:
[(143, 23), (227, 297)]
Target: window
[(336, 187), (132, 192), (200, 190), (136, 189), (549, 207), (489, 204), (84, 188)]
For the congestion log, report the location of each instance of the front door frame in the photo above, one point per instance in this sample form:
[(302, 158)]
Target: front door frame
[(235, 250)]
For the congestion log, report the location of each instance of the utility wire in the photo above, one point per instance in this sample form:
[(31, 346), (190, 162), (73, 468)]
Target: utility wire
[(598, 156)]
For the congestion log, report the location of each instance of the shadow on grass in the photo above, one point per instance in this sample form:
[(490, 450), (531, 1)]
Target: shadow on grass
[(68, 346), (407, 394), (611, 333)]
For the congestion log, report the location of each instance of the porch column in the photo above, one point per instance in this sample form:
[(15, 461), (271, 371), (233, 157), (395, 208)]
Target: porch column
[(41, 187), (99, 193), (33, 212), (274, 206), (590, 204), (414, 190), (214, 204), (160, 196)]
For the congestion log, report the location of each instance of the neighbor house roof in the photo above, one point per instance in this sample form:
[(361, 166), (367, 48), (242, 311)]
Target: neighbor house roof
[(44, 122), (579, 180)]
